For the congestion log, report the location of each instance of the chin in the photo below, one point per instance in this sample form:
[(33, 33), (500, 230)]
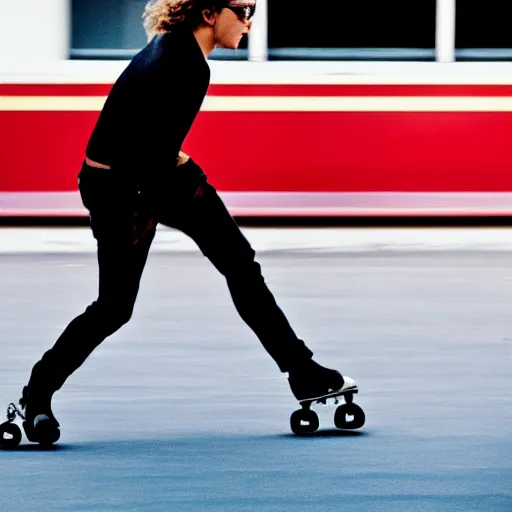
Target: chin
[(230, 45)]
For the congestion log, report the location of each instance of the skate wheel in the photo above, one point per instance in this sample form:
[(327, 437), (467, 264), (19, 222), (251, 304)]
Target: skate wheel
[(304, 421), (44, 434), (10, 435), (47, 439), (349, 416)]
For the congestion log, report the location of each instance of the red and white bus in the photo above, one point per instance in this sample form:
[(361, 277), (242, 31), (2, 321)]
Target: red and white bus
[(290, 138)]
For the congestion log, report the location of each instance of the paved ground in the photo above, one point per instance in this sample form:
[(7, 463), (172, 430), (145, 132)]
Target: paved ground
[(183, 410)]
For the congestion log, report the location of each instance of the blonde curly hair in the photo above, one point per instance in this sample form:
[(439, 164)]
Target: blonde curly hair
[(163, 15)]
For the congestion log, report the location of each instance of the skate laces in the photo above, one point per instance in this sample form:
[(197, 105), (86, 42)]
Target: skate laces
[(12, 411)]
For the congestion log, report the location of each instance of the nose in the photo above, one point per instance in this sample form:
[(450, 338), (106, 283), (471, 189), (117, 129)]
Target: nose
[(249, 25)]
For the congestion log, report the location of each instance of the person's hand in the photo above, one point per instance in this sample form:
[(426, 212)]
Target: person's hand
[(182, 159)]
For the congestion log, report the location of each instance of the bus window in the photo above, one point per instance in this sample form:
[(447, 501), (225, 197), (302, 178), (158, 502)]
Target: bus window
[(482, 30), (401, 29)]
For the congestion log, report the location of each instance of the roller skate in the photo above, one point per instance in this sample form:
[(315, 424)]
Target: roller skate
[(39, 423), (313, 384)]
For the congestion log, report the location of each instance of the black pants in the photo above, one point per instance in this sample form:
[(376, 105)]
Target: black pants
[(123, 221)]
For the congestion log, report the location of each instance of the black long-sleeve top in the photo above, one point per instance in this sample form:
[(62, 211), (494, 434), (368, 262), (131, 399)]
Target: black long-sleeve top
[(151, 107)]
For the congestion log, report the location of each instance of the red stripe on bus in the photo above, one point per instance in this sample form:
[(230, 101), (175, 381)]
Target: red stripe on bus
[(247, 90)]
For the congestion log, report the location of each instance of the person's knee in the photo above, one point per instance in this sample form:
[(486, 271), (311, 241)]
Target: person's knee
[(111, 316)]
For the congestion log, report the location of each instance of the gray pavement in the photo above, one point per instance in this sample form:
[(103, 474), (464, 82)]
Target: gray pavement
[(183, 409)]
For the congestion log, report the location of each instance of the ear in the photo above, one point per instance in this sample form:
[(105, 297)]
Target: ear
[(209, 17)]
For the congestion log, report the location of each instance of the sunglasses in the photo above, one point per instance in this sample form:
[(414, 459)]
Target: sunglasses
[(244, 13)]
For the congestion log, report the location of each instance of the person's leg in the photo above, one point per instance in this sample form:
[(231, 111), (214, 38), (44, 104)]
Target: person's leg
[(204, 217), (121, 263), (123, 242), (199, 212)]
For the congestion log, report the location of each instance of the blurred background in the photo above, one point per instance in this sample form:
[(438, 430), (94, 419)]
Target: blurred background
[(353, 109)]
